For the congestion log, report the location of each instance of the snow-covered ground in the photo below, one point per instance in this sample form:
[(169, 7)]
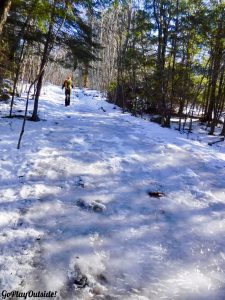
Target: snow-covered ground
[(76, 217)]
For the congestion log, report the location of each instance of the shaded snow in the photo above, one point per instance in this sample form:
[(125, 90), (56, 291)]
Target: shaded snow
[(135, 247)]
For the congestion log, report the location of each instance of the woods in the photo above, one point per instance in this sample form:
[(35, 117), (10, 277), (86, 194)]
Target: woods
[(164, 57), (38, 35), (98, 202), (150, 57)]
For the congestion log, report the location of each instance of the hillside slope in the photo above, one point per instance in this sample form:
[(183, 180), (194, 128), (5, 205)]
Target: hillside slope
[(80, 214)]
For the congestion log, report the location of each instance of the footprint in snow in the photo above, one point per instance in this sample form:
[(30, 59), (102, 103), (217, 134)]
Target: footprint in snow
[(77, 278), (95, 206), (80, 183), (76, 281)]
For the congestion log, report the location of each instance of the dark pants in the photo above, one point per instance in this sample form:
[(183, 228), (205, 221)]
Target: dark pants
[(67, 97)]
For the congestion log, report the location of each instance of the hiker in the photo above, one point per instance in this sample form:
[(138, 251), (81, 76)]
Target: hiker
[(68, 85)]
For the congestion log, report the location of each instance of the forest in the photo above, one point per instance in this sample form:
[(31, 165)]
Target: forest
[(100, 197), (149, 57)]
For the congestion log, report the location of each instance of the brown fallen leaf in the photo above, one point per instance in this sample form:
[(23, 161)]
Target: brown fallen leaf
[(156, 194)]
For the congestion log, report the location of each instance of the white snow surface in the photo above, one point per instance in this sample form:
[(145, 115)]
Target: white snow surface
[(75, 197)]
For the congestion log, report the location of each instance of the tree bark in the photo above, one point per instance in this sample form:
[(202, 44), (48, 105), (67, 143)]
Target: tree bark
[(16, 78), (4, 10), (41, 72), (217, 54), (162, 18)]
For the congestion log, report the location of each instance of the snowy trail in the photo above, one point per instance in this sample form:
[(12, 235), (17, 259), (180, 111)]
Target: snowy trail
[(75, 206)]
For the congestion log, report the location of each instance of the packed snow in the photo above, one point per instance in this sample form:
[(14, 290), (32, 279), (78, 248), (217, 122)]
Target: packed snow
[(98, 204)]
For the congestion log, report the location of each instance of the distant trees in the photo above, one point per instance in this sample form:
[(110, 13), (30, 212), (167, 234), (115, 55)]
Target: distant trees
[(163, 57), (215, 97), (34, 34)]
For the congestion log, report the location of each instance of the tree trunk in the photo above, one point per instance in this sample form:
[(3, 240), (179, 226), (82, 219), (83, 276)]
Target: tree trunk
[(16, 78), (41, 73), (4, 10), (223, 129), (217, 54), (85, 76), (162, 19)]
